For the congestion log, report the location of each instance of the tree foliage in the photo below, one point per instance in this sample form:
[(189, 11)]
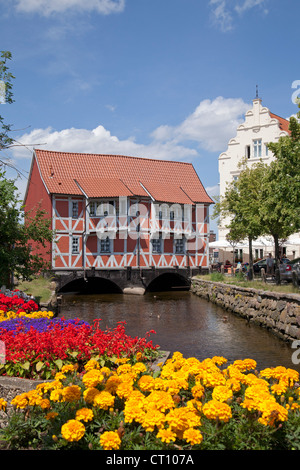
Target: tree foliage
[(16, 236), (6, 78), (241, 205), (280, 207)]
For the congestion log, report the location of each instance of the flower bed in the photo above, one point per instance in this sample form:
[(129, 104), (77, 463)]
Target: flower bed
[(189, 404), (38, 347), (17, 302)]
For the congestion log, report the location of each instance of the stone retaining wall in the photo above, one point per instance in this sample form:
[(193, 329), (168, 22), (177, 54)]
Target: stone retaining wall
[(279, 313)]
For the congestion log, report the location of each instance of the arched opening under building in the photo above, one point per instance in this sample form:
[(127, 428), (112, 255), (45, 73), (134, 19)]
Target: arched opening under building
[(89, 286), (168, 282)]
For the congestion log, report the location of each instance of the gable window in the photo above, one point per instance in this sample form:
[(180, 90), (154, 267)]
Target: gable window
[(257, 148), (105, 245), (75, 245), (75, 209)]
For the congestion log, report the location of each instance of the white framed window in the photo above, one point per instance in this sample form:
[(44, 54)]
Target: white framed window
[(179, 245), (257, 148), (93, 208), (74, 209), (164, 211), (102, 208), (156, 245), (75, 245), (176, 212), (105, 208), (266, 150), (105, 245)]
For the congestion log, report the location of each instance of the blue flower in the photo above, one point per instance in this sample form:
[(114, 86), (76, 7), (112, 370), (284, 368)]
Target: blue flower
[(40, 324)]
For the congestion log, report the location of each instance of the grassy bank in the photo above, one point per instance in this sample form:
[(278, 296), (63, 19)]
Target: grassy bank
[(39, 287), (286, 288)]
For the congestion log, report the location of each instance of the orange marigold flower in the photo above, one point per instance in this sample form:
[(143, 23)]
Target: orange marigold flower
[(166, 435), (89, 394), (104, 400), (3, 404), (214, 409), (110, 440), (193, 436), (222, 393), (84, 414), (71, 393), (73, 430)]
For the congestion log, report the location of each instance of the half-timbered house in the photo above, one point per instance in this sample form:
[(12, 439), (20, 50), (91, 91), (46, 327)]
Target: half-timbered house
[(115, 212)]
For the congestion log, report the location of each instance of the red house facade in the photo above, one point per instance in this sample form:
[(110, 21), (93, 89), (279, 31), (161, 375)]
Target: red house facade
[(115, 212)]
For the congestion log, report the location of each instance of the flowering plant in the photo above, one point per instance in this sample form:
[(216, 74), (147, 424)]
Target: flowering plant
[(37, 348), (189, 404), (17, 303)]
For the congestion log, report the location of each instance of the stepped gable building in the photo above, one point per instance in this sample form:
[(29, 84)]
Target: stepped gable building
[(114, 212), (260, 127)]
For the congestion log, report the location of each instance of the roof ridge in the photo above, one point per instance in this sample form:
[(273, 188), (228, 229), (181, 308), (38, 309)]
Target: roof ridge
[(277, 115), (113, 155)]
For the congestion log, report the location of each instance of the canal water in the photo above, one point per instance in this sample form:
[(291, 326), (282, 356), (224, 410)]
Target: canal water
[(183, 322)]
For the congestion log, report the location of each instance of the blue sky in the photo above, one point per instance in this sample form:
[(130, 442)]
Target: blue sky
[(168, 79)]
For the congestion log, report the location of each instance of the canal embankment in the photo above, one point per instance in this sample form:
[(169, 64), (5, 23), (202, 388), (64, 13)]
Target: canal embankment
[(276, 311)]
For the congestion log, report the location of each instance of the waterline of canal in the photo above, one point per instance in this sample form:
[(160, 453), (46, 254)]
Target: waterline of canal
[(183, 322)]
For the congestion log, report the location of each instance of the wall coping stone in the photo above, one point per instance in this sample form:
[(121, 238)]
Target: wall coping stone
[(258, 292)]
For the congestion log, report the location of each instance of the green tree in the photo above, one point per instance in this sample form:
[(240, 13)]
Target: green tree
[(16, 237), (241, 205), (6, 96), (280, 208), (17, 233)]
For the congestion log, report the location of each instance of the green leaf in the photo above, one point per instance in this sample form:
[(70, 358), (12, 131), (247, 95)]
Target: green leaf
[(39, 366), (74, 354), (25, 365), (59, 363)]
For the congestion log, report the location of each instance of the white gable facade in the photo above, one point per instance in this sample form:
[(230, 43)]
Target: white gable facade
[(251, 142)]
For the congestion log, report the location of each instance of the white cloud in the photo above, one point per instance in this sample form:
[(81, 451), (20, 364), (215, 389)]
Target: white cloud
[(221, 15), (209, 128), (223, 11), (48, 7), (98, 140), (247, 4), (211, 125)]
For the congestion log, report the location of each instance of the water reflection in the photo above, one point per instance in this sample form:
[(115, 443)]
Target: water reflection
[(183, 322)]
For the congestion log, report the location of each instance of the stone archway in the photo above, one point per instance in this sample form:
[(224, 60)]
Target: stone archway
[(169, 281), (89, 285)]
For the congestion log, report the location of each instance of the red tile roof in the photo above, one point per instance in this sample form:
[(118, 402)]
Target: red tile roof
[(116, 175), (112, 187), (283, 123)]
